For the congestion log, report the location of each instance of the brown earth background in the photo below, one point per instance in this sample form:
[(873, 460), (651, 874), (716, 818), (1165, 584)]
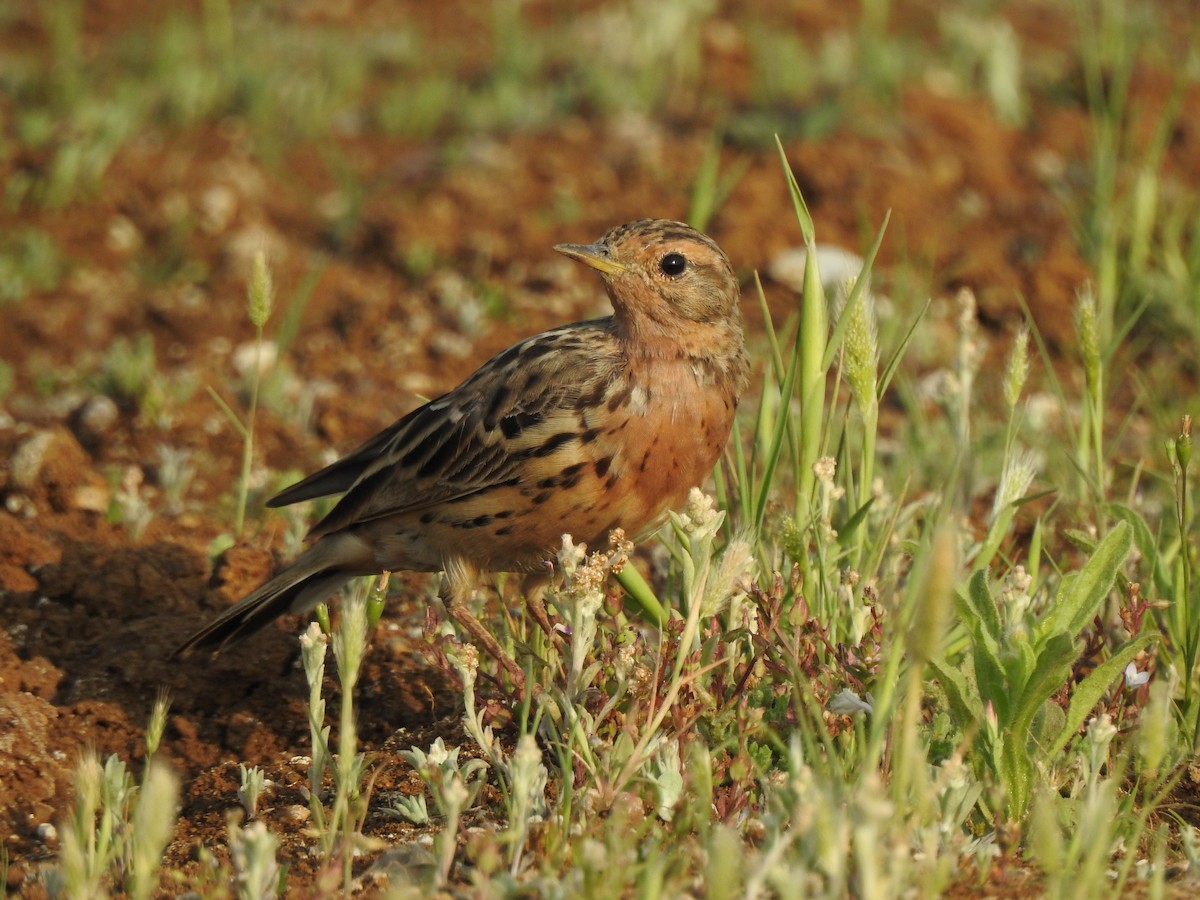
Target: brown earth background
[(407, 261)]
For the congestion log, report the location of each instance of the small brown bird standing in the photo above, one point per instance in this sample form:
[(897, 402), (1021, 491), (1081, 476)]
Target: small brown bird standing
[(585, 428)]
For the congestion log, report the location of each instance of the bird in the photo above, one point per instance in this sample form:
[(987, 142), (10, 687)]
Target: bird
[(583, 429)]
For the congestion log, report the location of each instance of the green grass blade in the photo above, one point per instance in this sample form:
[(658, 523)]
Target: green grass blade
[(803, 216), (1079, 598), (643, 597)]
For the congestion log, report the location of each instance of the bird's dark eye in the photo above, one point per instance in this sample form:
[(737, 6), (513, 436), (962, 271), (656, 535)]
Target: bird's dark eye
[(673, 264)]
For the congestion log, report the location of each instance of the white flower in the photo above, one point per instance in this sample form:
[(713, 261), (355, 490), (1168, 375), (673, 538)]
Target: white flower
[(847, 703), (1133, 678)]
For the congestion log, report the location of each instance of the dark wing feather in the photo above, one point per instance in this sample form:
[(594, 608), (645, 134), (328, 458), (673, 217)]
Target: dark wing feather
[(474, 438), (338, 477)]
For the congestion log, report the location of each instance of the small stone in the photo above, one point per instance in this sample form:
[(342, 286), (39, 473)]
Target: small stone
[(27, 460), (20, 506), (251, 355), (836, 265), (92, 498), (93, 420), (296, 814), (218, 206), (123, 236), (51, 465)]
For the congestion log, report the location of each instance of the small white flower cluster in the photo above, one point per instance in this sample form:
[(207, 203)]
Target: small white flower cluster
[(700, 517), (582, 595), (1015, 601), (583, 574), (715, 587), (825, 469)]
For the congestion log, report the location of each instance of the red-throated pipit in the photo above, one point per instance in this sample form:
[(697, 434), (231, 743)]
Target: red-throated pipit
[(583, 429)]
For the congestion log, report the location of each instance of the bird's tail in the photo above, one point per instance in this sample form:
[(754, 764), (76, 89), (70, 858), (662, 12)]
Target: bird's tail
[(298, 588)]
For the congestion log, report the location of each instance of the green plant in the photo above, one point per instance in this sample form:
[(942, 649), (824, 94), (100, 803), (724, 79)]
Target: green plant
[(340, 828), (30, 262), (129, 373), (260, 297), (1019, 662), (257, 875), (119, 828), (129, 506), (988, 49), (252, 782), (175, 474)]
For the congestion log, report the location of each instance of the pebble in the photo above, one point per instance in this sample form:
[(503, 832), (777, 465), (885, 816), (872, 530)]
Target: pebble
[(27, 460), (251, 355), (836, 265), (91, 498), (94, 419), (296, 814)]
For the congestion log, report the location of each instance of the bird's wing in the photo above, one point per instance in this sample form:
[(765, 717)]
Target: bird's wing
[(338, 477), (489, 432)]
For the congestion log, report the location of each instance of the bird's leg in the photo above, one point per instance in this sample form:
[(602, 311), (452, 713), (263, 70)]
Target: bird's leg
[(456, 595), (533, 587)]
